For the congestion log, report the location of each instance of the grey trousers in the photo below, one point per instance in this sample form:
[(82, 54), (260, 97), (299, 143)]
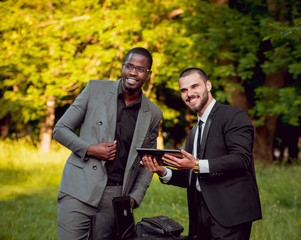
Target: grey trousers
[(77, 220)]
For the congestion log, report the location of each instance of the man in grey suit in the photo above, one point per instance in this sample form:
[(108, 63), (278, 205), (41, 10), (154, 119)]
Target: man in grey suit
[(114, 118)]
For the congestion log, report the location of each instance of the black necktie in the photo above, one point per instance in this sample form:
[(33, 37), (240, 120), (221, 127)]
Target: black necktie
[(193, 177), (199, 140)]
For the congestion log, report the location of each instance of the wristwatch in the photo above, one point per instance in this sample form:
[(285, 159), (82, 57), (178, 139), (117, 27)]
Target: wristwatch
[(196, 168)]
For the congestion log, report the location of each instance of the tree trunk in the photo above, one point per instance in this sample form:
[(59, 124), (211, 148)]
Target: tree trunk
[(160, 142), (4, 126), (238, 98), (219, 2), (264, 135), (47, 125), (264, 141)]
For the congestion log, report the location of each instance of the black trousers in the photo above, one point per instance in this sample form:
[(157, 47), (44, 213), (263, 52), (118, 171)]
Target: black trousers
[(208, 227)]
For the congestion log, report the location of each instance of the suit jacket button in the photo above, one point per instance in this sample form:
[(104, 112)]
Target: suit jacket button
[(100, 123), (94, 167)]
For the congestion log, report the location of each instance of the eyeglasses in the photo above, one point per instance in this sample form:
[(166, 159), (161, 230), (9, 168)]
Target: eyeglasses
[(139, 69)]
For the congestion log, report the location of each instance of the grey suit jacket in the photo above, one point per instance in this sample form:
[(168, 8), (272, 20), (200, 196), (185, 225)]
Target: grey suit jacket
[(94, 111)]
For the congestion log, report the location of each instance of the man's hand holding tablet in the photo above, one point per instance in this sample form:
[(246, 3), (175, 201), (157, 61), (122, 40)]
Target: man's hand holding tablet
[(179, 159), (187, 161), (159, 153)]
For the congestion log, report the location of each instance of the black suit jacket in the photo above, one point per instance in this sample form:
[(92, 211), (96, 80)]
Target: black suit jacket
[(230, 189)]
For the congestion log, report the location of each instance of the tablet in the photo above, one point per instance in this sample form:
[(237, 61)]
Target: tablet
[(159, 152)]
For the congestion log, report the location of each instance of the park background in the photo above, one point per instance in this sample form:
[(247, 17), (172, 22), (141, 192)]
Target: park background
[(251, 50)]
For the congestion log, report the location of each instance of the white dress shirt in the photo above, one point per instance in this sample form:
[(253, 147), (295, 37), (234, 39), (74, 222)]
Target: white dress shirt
[(203, 163)]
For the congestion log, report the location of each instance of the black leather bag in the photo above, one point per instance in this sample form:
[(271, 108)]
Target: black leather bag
[(159, 226)]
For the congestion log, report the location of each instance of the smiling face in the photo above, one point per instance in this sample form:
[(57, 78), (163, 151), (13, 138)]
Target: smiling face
[(195, 92), (133, 79)]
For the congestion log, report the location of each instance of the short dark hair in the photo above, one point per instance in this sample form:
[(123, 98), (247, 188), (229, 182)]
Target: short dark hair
[(190, 71), (142, 51)]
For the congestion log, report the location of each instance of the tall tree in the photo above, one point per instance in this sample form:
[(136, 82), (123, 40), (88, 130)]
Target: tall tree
[(247, 69), (50, 49)]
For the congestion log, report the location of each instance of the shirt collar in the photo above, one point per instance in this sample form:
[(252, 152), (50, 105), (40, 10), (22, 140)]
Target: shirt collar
[(207, 112), (120, 95)]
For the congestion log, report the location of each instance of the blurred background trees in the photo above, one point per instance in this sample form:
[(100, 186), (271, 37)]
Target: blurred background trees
[(251, 50)]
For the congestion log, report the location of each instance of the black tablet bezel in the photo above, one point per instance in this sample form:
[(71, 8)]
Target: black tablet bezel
[(158, 152)]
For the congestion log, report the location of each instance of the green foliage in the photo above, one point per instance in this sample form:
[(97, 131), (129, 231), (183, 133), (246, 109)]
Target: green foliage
[(223, 35), (278, 59), (279, 31), (285, 102), (52, 48), (243, 44), (29, 188)]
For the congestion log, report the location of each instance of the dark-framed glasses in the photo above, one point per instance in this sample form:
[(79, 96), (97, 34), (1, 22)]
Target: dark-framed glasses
[(131, 67)]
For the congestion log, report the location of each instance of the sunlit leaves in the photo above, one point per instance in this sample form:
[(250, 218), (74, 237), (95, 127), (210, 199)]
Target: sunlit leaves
[(285, 102), (53, 48)]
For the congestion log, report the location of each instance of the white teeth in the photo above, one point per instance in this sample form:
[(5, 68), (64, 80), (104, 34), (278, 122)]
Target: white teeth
[(193, 100), (131, 80)]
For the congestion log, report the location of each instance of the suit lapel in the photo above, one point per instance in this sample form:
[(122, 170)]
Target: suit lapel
[(142, 125), (207, 127), (189, 147), (190, 139), (141, 128), (111, 107)]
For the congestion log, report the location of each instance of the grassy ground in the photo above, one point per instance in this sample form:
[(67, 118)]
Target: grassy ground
[(30, 179)]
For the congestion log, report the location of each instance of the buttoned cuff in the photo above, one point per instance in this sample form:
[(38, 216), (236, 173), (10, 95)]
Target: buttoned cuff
[(204, 166), (167, 176)]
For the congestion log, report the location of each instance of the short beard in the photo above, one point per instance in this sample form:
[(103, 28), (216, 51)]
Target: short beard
[(205, 98), (129, 89)]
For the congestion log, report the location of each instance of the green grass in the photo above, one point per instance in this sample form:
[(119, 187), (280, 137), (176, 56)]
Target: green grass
[(29, 187)]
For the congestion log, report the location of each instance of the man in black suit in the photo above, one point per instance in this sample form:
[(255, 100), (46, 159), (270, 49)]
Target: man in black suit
[(217, 168)]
